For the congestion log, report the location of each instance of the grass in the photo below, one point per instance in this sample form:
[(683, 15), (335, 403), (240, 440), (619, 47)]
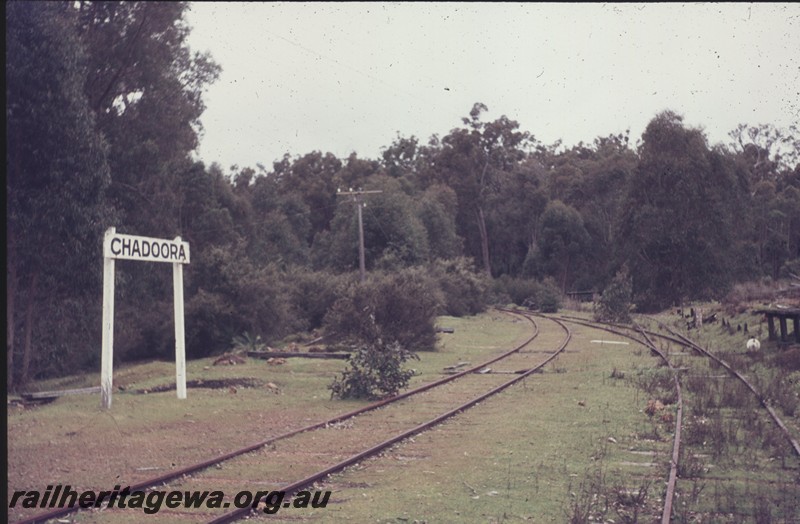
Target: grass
[(47, 443), (520, 455), (746, 471), (569, 442)]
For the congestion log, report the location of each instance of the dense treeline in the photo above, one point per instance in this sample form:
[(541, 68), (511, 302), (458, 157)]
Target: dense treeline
[(103, 111)]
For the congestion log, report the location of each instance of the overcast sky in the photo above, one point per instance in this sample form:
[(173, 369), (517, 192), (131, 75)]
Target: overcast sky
[(344, 77)]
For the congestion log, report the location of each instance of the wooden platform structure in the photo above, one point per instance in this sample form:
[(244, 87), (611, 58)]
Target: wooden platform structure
[(582, 296), (783, 315)]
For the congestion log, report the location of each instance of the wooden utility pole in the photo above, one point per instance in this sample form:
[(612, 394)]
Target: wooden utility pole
[(357, 199)]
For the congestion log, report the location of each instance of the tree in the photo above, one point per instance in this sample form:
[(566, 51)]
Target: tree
[(57, 173), (680, 213), (769, 158), (766, 148), (779, 219), (394, 236), (513, 215), (401, 158), (615, 303), (355, 172), (312, 177), (145, 87), (593, 179), (436, 209), (561, 246), (470, 161)]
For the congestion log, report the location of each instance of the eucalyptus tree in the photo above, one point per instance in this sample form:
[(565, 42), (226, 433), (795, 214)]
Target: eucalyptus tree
[(513, 216), (56, 179), (471, 160), (766, 149), (593, 179), (770, 159), (680, 215), (562, 246), (436, 208), (311, 176)]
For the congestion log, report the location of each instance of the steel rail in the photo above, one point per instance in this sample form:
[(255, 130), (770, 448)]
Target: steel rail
[(666, 514), (193, 468), (685, 341), (294, 487), (795, 445), (672, 480)]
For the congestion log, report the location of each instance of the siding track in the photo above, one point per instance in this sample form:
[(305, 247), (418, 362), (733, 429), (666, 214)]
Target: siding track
[(645, 337)]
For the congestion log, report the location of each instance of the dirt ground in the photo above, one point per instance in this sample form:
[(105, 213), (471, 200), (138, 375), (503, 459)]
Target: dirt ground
[(72, 441)]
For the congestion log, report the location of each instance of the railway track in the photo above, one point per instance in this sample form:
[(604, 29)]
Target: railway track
[(683, 341), (276, 457), (761, 398), (666, 514)]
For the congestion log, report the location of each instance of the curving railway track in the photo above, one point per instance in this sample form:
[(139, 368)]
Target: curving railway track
[(299, 459), (437, 401), (669, 497), (685, 342), (678, 337)]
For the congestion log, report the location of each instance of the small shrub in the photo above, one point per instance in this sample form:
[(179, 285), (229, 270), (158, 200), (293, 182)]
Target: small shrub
[(630, 502), (789, 403), (689, 466), (735, 394), (654, 382), (762, 509), (590, 501), (375, 371), (707, 432), (651, 434), (549, 299), (247, 342), (614, 304)]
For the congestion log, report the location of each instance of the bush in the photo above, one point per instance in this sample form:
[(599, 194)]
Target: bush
[(744, 292), (544, 296), (548, 298), (375, 371), (464, 290), (228, 295), (788, 359), (518, 290), (615, 303), (400, 307), (313, 293)]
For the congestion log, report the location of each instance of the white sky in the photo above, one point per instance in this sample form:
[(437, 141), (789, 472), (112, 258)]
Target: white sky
[(344, 77)]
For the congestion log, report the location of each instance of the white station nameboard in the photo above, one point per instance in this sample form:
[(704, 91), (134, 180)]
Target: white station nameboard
[(133, 247), (150, 250)]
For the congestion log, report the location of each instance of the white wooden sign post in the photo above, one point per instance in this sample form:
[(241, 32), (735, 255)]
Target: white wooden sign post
[(132, 247)]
